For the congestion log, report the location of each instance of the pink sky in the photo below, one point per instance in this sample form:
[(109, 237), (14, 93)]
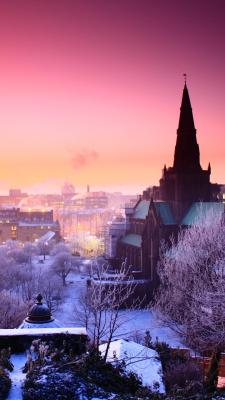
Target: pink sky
[(90, 90)]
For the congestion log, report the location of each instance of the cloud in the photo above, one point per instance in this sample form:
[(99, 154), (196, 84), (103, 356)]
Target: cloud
[(83, 158)]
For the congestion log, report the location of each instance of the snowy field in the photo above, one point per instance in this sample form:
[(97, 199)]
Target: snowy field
[(135, 322)]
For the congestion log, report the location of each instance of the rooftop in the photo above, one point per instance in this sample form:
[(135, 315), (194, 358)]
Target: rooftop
[(132, 239), (141, 210), (138, 359), (198, 210), (164, 212)]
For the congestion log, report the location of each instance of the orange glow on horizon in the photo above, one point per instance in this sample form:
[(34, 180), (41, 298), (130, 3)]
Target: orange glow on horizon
[(97, 101)]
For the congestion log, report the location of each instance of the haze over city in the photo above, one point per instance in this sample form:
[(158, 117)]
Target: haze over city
[(90, 90)]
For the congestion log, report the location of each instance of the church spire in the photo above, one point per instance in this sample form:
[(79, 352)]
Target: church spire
[(186, 157), (186, 121)]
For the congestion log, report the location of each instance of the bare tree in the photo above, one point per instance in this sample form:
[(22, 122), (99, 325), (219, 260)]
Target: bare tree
[(101, 307), (192, 275), (51, 289), (62, 266)]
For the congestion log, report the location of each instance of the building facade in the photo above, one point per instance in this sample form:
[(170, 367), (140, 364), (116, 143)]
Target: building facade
[(115, 229), (26, 226), (184, 191)]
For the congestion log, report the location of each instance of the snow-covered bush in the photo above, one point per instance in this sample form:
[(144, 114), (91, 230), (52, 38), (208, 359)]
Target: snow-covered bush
[(12, 310), (85, 377)]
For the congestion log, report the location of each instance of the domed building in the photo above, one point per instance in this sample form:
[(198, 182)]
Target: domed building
[(39, 316)]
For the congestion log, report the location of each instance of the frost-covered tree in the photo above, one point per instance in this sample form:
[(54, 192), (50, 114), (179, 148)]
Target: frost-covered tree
[(62, 265), (192, 275), (12, 310), (22, 255), (51, 288), (60, 247)]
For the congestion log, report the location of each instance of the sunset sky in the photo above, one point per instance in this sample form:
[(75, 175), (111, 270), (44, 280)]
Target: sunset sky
[(90, 90)]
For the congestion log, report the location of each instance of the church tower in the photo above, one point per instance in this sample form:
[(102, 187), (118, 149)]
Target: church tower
[(186, 182)]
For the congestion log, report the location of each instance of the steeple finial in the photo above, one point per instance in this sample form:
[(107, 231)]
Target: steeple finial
[(185, 78)]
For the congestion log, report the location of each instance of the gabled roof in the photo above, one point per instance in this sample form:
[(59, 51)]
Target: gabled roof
[(200, 209), (164, 212), (132, 239), (141, 210), (138, 359)]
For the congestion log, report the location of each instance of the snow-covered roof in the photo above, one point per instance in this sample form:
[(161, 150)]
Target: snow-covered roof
[(164, 212), (33, 224), (138, 359), (45, 238), (141, 209), (198, 210), (42, 331)]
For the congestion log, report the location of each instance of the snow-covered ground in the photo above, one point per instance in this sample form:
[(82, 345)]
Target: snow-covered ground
[(138, 321), (138, 359), (135, 323), (17, 376)]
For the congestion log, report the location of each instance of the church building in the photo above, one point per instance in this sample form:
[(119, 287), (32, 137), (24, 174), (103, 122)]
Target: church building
[(184, 189)]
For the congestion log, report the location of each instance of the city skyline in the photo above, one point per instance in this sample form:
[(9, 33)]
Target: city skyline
[(90, 91)]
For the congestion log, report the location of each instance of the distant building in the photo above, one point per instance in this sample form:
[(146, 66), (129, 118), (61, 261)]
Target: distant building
[(115, 229), (16, 193), (13, 199), (184, 190), (25, 226), (96, 200), (68, 192)]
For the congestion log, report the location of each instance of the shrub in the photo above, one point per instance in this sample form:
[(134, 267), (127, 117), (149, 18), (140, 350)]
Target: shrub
[(87, 375), (186, 375), (5, 384), (212, 373)]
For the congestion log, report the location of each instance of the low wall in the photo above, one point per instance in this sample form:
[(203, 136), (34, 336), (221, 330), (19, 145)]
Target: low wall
[(19, 340)]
